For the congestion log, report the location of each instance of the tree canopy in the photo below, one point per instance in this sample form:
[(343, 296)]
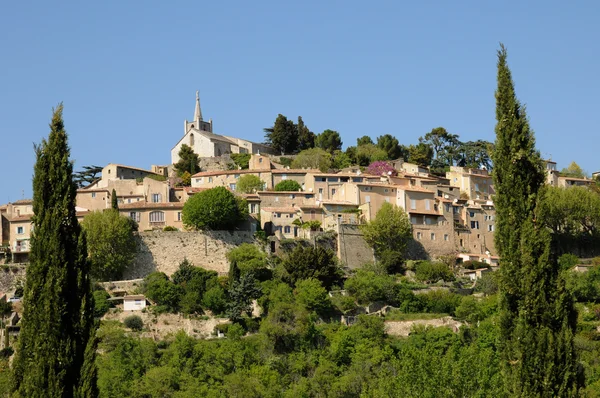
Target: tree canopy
[(216, 209), (573, 171), (288, 185), (329, 140), (110, 242), (249, 183), (283, 136), (314, 158)]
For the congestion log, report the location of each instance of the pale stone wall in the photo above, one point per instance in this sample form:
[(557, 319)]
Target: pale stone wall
[(353, 251), (163, 251)]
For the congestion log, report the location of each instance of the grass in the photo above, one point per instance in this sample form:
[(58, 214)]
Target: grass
[(396, 315)]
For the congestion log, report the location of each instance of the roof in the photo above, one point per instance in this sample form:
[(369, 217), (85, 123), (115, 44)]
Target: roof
[(295, 171), (23, 202), (279, 209), (193, 190), (284, 192), (417, 189), (147, 205), (338, 202), (229, 172), (26, 217), (131, 167), (378, 185), (84, 190), (575, 178), (135, 297), (424, 212)]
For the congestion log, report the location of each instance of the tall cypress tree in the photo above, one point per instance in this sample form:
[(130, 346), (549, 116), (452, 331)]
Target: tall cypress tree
[(537, 318), (55, 355), (114, 201)]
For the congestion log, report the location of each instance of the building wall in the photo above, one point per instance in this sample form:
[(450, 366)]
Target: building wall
[(134, 305), (229, 179), (172, 217), (300, 178), (353, 250), (375, 196)]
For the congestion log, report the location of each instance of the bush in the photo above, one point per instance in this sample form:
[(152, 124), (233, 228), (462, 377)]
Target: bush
[(568, 261), (169, 228), (241, 159), (215, 300), (427, 271), (101, 303), (134, 322), (441, 301), (163, 292), (216, 209), (367, 287), (487, 284), (475, 265), (288, 185), (312, 295), (286, 161), (249, 183)]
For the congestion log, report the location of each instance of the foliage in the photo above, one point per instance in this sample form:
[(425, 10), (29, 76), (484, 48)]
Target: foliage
[(166, 294), (474, 265), (585, 286), (364, 140), (476, 154), (215, 299), (134, 322), (428, 271), (188, 161), (420, 154), (568, 261), (573, 171), (380, 167), (537, 318), (242, 160), (86, 176), (283, 136), (312, 262), (110, 242), (368, 153), (286, 161), (487, 284), (445, 145), (114, 202), (368, 286), (392, 148), (101, 303), (340, 160), (306, 138), (248, 258), (388, 234), (329, 140), (57, 326), (288, 185), (241, 293), (311, 294), (216, 209), (249, 183), (313, 158)]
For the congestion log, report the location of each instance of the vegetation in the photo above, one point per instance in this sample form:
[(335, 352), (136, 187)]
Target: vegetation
[(312, 262), (242, 160), (110, 242), (56, 348), (427, 271), (313, 158), (329, 140), (288, 185), (380, 167), (537, 318), (134, 322), (216, 209), (249, 183), (573, 171), (388, 234), (86, 176)]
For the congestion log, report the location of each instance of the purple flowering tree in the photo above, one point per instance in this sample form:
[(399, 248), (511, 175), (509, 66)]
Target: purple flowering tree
[(381, 167)]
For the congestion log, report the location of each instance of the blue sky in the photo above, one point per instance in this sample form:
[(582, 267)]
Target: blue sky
[(127, 72)]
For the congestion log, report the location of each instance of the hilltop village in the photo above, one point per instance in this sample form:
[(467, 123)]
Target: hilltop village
[(450, 215)]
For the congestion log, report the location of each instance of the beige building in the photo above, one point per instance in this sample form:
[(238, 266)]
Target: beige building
[(568, 182), (199, 135), (551, 173), (151, 216), (476, 183), (229, 178)]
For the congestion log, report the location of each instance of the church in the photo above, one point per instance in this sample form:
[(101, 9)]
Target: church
[(199, 135)]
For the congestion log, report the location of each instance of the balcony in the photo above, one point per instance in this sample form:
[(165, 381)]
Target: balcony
[(157, 224)]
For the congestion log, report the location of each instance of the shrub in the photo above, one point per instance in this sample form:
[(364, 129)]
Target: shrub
[(288, 185), (475, 265), (101, 303), (241, 159), (367, 287), (568, 261), (169, 228), (312, 295), (286, 161), (134, 322), (215, 300), (163, 292), (249, 183), (427, 271), (216, 209)]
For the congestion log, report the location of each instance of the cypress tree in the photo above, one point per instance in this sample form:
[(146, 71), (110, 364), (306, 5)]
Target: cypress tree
[(114, 201), (537, 318), (53, 358)]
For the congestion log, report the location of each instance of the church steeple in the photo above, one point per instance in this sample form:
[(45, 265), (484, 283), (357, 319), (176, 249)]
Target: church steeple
[(197, 111)]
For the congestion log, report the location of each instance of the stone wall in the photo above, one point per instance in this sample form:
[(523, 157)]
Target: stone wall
[(353, 251), (163, 251), (9, 275)]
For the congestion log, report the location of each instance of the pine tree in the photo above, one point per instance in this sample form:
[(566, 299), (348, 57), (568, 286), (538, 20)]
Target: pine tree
[(114, 202), (58, 318), (537, 318)]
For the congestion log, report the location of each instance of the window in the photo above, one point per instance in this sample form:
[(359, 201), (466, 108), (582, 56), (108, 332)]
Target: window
[(357, 179), (439, 193), (260, 160), (156, 198), (284, 176), (332, 179), (474, 224), (446, 237), (476, 187), (93, 194), (236, 176), (129, 200), (292, 196), (429, 220), (427, 205), (432, 236), (277, 215), (210, 179), (287, 229), (413, 204), (385, 190), (333, 191), (198, 180), (461, 243), (456, 209), (321, 190), (367, 199), (471, 214), (134, 215), (413, 220), (178, 216), (232, 186), (157, 216), (448, 208), (418, 235), (491, 228), (20, 230)]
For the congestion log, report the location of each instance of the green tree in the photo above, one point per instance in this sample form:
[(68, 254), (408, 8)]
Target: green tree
[(537, 318), (329, 140), (427, 271), (242, 160), (420, 154), (475, 154), (166, 294), (369, 153), (114, 201), (58, 326), (110, 242), (249, 183), (314, 158), (188, 161), (368, 286), (364, 140), (312, 262), (248, 258), (340, 160), (390, 145), (283, 136), (87, 176), (306, 138), (574, 171), (101, 303), (311, 294), (388, 234), (288, 186), (216, 209), (444, 145), (241, 293)]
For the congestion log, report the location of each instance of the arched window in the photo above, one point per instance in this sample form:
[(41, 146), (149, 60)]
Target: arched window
[(157, 216), (192, 140)]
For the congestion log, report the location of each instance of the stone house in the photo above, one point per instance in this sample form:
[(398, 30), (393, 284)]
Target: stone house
[(476, 183), (229, 178), (154, 215)]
